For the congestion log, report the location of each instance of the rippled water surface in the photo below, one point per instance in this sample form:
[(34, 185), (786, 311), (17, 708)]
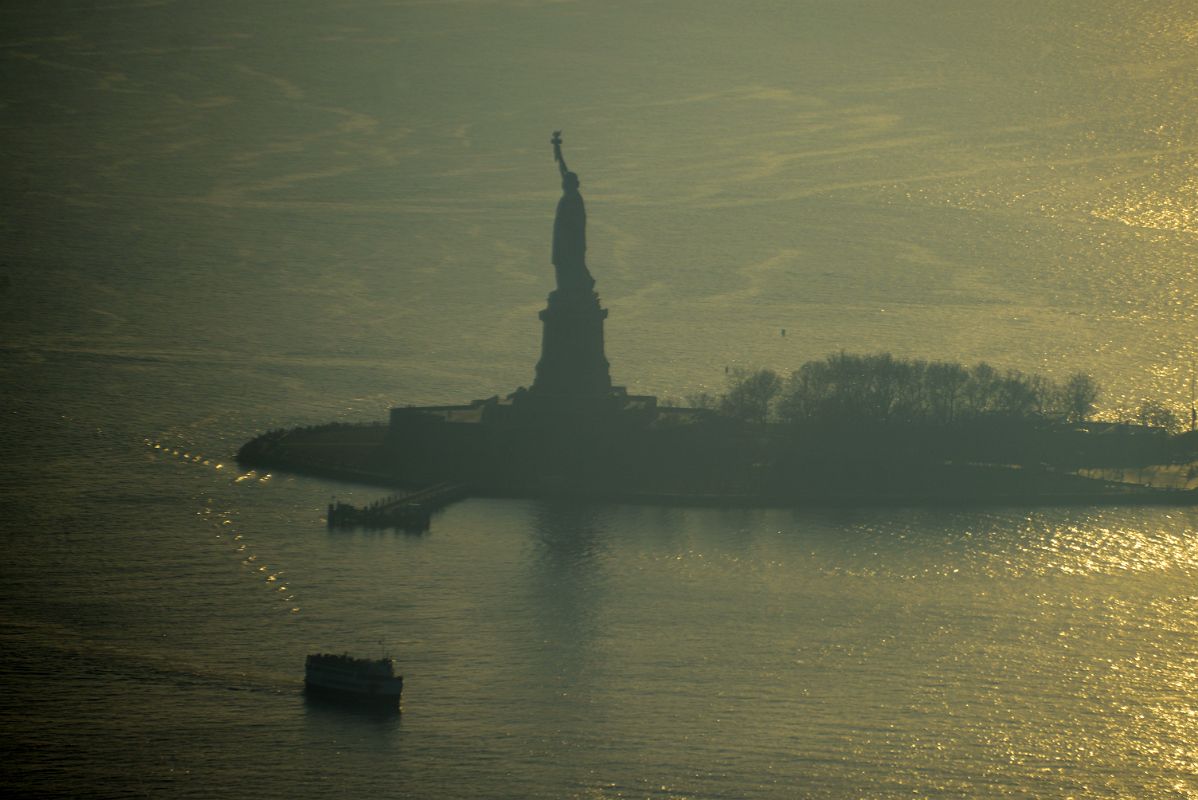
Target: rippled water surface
[(224, 218)]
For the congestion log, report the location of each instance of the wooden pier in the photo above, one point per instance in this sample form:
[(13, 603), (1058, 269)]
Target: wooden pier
[(411, 511)]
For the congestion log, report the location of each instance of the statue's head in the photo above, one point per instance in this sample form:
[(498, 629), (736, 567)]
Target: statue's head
[(570, 181)]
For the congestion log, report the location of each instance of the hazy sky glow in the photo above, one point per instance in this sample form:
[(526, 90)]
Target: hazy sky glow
[(1009, 168)]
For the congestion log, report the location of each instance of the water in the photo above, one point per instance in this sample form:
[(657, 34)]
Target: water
[(224, 220)]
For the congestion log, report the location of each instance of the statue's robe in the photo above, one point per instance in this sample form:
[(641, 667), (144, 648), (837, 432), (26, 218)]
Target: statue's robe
[(570, 243)]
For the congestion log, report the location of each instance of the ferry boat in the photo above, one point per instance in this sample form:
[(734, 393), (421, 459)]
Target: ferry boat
[(351, 678)]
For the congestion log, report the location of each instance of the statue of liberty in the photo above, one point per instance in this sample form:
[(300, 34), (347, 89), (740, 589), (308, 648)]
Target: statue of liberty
[(569, 230)]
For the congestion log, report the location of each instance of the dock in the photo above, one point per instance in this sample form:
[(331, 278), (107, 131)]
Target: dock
[(411, 511)]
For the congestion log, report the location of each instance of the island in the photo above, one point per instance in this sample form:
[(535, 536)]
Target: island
[(849, 430)]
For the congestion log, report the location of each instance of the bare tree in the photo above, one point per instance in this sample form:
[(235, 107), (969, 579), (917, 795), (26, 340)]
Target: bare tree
[(945, 384), (1078, 397), (845, 388), (1046, 396), (1014, 395), (750, 394), (1158, 415), (703, 400)]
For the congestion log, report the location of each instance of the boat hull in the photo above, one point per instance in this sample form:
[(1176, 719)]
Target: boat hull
[(370, 695), (353, 679)]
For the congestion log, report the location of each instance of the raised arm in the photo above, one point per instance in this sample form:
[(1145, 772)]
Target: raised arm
[(557, 152)]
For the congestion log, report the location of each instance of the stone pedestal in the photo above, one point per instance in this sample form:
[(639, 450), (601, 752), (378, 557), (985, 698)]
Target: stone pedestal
[(572, 365)]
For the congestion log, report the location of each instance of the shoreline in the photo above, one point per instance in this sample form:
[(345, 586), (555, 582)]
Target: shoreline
[(360, 462)]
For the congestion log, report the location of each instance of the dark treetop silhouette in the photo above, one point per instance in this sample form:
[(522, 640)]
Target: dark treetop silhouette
[(569, 229)]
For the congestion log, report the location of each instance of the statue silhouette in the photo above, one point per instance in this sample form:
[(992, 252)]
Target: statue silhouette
[(569, 230)]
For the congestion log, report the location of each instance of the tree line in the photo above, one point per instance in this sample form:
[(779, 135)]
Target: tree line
[(850, 389)]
